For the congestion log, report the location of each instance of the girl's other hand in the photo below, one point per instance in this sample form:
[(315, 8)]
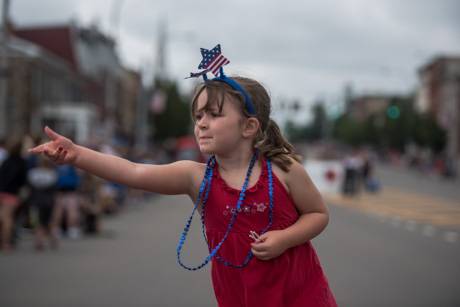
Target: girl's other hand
[(60, 149), (269, 245)]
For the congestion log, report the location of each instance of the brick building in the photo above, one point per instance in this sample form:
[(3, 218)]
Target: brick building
[(439, 95)]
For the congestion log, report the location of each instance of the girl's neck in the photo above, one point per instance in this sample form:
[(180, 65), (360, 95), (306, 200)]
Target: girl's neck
[(238, 160)]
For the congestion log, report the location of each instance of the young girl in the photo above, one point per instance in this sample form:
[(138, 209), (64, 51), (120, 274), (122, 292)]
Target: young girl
[(259, 236)]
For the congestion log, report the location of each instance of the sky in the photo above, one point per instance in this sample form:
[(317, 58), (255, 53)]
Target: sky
[(300, 50)]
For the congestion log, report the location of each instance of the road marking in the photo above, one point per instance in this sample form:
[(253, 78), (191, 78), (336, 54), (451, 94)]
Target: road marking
[(451, 236), (428, 231), (396, 221), (411, 225)]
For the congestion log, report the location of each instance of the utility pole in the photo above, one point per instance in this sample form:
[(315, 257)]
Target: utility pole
[(115, 16), (161, 72), (3, 67)]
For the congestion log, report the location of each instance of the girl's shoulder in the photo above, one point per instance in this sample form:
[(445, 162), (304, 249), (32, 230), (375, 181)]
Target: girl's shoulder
[(296, 171), (197, 168)]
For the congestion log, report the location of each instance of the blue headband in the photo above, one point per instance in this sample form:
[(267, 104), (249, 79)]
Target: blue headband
[(213, 61)]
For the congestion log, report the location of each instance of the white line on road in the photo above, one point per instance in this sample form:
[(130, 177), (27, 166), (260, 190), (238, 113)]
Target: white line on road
[(428, 231), (411, 225), (396, 221), (450, 236)]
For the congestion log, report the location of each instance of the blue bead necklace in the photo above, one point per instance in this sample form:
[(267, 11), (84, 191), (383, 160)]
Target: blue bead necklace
[(205, 187)]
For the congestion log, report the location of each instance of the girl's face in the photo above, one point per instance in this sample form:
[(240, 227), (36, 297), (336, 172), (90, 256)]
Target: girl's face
[(217, 132)]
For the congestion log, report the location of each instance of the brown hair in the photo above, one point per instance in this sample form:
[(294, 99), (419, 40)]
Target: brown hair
[(269, 140)]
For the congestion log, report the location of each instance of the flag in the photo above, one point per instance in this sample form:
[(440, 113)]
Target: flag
[(213, 59), (158, 102)]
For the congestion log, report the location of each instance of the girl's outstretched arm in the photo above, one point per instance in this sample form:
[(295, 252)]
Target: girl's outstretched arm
[(174, 178), (313, 218)]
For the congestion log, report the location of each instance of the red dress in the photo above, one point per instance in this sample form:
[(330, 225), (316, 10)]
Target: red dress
[(293, 279)]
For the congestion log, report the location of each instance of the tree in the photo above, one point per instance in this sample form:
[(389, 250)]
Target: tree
[(393, 128), (428, 133), (349, 131), (317, 129), (175, 120), (295, 133)]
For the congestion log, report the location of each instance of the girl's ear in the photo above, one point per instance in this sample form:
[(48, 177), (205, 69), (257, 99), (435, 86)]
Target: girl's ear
[(251, 128)]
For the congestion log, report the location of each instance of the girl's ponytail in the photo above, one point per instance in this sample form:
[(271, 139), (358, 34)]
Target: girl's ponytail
[(273, 145)]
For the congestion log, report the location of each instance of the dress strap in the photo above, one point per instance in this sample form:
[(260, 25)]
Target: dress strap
[(261, 183)]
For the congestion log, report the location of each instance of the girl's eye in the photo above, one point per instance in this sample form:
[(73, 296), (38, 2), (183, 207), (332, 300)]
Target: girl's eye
[(198, 116)]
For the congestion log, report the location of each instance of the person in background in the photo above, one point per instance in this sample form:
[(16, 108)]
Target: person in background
[(42, 180), (3, 151), (13, 172), (90, 204), (67, 200), (352, 168)]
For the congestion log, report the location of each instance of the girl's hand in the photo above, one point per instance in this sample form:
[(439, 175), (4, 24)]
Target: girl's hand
[(60, 149), (269, 245)]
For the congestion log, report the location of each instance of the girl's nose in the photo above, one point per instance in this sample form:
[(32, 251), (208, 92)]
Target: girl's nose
[(202, 123)]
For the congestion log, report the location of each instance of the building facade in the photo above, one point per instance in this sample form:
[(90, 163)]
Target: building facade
[(439, 95), (60, 72)]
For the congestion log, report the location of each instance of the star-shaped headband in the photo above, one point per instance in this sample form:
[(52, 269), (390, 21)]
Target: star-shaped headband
[(213, 61)]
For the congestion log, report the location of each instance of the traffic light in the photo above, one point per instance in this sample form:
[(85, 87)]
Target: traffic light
[(393, 112)]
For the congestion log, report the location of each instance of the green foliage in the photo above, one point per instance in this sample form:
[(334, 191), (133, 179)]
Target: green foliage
[(311, 132), (293, 132), (429, 134), (317, 129), (349, 131), (175, 120), (393, 128)]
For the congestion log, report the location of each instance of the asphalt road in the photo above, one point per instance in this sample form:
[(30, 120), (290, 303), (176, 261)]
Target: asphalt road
[(132, 263), (369, 260)]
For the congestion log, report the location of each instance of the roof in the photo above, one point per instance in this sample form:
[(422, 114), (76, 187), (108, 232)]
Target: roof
[(437, 61), (17, 47), (56, 39), (87, 50)]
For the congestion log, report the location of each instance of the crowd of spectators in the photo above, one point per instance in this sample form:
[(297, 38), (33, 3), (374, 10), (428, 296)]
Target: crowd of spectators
[(53, 202)]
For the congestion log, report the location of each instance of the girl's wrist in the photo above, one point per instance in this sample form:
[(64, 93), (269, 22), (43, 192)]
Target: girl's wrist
[(287, 239), (78, 153), (293, 238)]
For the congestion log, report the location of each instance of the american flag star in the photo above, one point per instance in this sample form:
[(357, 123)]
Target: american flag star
[(212, 59)]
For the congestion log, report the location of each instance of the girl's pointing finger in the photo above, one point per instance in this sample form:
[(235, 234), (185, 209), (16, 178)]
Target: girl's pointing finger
[(38, 149)]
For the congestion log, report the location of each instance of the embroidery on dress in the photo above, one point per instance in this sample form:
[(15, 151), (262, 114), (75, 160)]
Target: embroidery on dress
[(247, 209)]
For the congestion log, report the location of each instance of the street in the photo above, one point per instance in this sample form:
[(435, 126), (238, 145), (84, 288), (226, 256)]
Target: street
[(371, 258)]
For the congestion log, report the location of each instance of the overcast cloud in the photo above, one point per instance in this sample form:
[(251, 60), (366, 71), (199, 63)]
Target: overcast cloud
[(302, 50)]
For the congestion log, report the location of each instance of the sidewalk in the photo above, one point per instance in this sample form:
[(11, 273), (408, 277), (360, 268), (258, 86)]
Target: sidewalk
[(410, 196), (409, 206)]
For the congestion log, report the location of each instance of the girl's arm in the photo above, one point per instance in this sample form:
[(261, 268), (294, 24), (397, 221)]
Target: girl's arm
[(313, 218), (174, 178)]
